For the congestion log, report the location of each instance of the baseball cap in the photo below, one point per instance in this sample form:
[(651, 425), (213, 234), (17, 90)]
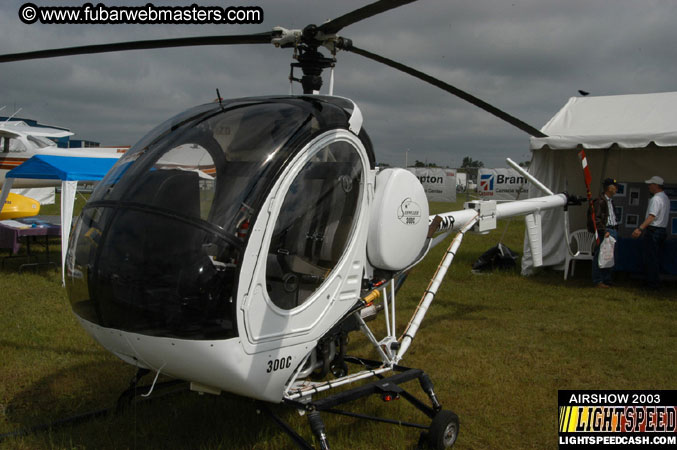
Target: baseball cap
[(655, 180), (609, 181)]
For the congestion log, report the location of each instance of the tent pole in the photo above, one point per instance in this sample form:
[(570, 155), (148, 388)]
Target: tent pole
[(602, 175), (68, 189), (6, 188)]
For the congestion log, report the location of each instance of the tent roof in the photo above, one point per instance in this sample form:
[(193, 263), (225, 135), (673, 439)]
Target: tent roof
[(628, 121), (65, 168)]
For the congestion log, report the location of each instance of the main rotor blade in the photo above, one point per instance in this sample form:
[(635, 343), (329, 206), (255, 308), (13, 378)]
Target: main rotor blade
[(260, 38), (449, 88), (335, 25)]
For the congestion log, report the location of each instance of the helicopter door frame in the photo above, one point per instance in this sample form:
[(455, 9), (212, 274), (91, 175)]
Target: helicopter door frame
[(267, 326)]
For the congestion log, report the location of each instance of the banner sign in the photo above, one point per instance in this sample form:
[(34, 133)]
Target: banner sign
[(46, 196), (501, 184), (439, 184)]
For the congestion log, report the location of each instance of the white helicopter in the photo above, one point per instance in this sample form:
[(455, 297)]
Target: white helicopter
[(245, 267)]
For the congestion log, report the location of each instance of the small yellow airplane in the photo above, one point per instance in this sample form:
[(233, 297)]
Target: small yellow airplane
[(19, 206)]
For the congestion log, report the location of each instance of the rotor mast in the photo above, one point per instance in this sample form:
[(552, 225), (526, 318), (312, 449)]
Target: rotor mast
[(306, 44)]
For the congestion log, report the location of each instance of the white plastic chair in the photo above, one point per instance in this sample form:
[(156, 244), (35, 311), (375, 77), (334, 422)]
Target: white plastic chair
[(583, 241)]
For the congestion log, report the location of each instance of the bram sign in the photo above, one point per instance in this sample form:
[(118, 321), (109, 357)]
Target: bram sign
[(439, 184), (501, 184)]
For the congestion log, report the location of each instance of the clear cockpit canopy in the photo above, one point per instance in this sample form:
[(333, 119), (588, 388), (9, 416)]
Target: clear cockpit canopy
[(157, 248)]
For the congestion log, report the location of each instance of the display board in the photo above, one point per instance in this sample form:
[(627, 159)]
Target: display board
[(630, 203), (46, 195), (501, 184), (439, 184)]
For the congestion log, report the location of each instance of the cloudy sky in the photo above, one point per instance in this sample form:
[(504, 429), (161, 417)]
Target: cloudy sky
[(525, 56)]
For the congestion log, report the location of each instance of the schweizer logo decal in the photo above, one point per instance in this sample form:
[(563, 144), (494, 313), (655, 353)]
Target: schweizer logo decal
[(409, 212)]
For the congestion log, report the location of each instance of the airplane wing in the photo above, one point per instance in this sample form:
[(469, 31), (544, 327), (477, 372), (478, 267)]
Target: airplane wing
[(17, 128), (8, 134)]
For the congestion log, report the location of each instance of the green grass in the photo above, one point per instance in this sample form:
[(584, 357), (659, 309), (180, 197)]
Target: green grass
[(497, 346)]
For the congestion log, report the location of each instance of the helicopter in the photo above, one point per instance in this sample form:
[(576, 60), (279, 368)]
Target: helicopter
[(238, 244)]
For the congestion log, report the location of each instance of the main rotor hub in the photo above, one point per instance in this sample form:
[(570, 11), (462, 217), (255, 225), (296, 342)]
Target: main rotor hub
[(312, 63), (306, 43)]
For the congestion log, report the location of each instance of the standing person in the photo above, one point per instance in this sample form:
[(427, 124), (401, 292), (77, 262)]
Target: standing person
[(653, 231), (605, 220)]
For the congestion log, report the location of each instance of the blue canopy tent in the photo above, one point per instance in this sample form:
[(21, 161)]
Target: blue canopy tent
[(68, 169), (65, 168)]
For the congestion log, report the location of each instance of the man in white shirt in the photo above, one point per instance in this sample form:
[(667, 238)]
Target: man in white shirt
[(653, 231)]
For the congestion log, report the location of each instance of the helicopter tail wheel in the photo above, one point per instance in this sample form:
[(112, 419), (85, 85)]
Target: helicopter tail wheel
[(443, 430)]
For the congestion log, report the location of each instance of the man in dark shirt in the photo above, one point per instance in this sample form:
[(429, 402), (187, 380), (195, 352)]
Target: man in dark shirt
[(605, 221)]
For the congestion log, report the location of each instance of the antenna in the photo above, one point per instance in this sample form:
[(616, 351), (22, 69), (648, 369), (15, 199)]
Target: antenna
[(218, 97), (331, 81), (15, 113)]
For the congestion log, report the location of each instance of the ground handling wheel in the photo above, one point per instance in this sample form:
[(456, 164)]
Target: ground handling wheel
[(443, 430)]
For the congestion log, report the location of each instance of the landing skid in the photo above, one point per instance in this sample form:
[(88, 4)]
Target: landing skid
[(441, 433), (128, 397)]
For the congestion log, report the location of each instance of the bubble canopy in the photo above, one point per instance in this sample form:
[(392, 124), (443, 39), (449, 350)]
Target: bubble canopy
[(158, 247)]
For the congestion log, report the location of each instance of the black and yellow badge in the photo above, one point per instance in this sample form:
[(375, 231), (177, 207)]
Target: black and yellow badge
[(636, 419)]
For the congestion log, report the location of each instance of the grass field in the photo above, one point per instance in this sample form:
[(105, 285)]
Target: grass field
[(497, 346)]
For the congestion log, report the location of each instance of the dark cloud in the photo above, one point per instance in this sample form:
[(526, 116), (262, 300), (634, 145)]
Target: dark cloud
[(525, 56)]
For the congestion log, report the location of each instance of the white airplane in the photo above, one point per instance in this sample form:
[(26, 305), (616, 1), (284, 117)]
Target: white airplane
[(19, 142)]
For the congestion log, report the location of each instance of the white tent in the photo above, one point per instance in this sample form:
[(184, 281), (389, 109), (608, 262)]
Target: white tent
[(627, 137)]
